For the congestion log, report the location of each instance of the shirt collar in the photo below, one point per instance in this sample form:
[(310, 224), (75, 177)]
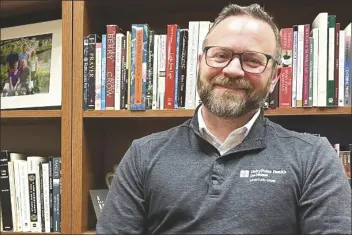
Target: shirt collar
[(244, 130)]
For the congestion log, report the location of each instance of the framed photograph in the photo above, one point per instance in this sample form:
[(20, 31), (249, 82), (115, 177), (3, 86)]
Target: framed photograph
[(31, 65)]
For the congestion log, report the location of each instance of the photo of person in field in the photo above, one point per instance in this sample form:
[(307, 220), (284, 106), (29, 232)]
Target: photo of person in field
[(25, 65)]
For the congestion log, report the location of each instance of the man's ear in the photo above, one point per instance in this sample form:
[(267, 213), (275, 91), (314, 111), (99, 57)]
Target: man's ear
[(275, 78)]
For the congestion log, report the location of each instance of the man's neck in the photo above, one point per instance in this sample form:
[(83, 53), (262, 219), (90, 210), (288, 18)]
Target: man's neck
[(221, 128)]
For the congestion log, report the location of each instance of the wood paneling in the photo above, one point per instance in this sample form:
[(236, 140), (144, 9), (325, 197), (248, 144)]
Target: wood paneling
[(66, 118)]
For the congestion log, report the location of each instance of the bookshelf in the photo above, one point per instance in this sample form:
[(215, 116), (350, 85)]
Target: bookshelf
[(100, 138), (91, 142), (43, 132)]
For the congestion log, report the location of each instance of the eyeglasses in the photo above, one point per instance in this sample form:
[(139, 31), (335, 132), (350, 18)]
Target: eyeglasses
[(251, 61)]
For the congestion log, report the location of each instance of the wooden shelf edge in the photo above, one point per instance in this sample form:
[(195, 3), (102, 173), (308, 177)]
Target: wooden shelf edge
[(190, 112), (29, 233), (30, 114), (90, 232)]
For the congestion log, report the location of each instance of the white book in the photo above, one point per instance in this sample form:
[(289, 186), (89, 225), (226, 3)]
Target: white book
[(300, 59), (155, 71), (118, 67), (45, 167), (192, 58), (161, 71), (321, 22), (315, 35), (98, 76), (24, 196), (16, 169), (34, 191), (341, 68), (204, 27)]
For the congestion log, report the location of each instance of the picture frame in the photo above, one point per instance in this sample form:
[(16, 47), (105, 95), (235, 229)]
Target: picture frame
[(35, 80)]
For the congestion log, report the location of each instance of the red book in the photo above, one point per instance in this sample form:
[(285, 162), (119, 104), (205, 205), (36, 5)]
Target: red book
[(285, 85), (111, 31), (170, 66)]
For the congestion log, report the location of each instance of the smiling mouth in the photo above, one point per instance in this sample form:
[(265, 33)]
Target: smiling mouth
[(228, 88)]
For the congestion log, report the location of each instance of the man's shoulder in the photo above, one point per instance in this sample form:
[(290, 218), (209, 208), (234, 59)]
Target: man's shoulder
[(293, 136), (161, 137)]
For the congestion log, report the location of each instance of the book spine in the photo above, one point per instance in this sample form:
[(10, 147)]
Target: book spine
[(192, 54), (140, 34), (123, 96), (98, 76), (56, 194), (16, 168), (161, 71), (311, 64), (203, 30), (46, 195), (294, 65), (177, 67), (92, 39), (336, 63), (85, 74), (150, 74), (170, 66), (341, 68), (24, 191), (330, 90), (348, 61), (155, 71), (5, 194), (183, 68), (41, 192), (305, 97), (111, 31), (285, 93), (118, 51), (51, 193), (103, 72), (12, 195), (315, 35), (300, 59), (128, 68)]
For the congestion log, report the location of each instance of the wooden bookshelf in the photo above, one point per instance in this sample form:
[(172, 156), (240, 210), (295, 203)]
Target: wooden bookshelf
[(43, 132), (30, 114), (100, 138), (190, 112)]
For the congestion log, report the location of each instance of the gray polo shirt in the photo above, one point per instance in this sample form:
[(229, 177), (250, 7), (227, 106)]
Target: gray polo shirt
[(275, 181)]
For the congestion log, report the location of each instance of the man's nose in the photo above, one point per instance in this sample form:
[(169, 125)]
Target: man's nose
[(234, 68)]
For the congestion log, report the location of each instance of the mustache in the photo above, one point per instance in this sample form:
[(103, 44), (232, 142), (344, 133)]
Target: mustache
[(232, 83)]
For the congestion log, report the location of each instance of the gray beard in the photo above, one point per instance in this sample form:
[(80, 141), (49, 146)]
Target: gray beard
[(229, 106)]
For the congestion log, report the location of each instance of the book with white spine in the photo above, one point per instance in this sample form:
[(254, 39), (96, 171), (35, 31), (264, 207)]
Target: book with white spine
[(192, 58)]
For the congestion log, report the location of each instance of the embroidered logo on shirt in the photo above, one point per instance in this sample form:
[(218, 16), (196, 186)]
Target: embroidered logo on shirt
[(262, 175), (244, 173)]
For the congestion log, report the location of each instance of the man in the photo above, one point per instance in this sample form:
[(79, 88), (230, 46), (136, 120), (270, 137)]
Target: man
[(24, 55), (12, 58), (229, 170)]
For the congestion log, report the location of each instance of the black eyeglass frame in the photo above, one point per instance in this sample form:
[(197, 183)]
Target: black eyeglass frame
[(269, 57)]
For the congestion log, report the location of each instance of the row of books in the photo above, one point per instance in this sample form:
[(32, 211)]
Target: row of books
[(140, 69), (317, 64), (30, 193)]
